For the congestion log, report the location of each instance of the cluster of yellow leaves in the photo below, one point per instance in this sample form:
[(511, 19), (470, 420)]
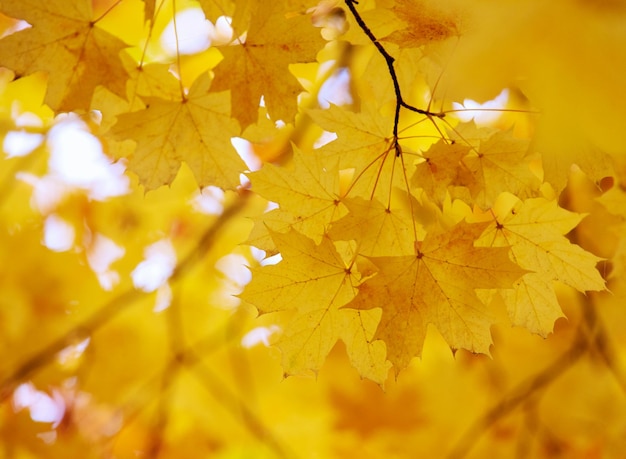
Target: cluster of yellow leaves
[(366, 198), (394, 221)]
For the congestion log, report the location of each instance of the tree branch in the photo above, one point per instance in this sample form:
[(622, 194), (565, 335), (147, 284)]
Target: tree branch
[(116, 305), (389, 59)]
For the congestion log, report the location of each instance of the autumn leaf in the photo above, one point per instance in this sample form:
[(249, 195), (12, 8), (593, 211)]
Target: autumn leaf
[(375, 226), (213, 9), (441, 169), (498, 163), (437, 286), (313, 283), (66, 43), (422, 22), (259, 65), (378, 230), (364, 143), (308, 194), (361, 137), (535, 229), (196, 130)]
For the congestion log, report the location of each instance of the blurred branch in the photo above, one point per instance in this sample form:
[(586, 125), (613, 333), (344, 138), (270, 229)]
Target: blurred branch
[(116, 305), (520, 394)]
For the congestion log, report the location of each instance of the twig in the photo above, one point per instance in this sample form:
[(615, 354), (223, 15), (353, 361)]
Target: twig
[(389, 59)]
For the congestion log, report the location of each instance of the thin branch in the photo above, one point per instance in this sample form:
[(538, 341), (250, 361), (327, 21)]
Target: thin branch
[(226, 397), (518, 395), (389, 59), (116, 305)]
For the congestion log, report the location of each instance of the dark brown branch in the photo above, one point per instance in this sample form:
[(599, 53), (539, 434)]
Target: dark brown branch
[(389, 59)]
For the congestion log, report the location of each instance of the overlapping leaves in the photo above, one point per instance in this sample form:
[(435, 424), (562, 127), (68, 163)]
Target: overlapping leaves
[(374, 247)]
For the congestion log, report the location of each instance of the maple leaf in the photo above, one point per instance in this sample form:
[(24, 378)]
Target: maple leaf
[(66, 43), (361, 137), (364, 143), (196, 130), (437, 286), (313, 282), (499, 163), (259, 66), (378, 230), (213, 9), (441, 168), (308, 194), (421, 23), (534, 230), (151, 80)]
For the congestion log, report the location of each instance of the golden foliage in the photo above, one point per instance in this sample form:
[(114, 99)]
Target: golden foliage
[(405, 220)]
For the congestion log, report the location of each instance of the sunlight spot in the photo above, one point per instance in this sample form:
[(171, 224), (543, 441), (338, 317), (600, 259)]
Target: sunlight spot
[(324, 139), (20, 143), (25, 119), (210, 200), (101, 252), (336, 89), (194, 33), (222, 33), (236, 277), (257, 253), (233, 266), (47, 191), (163, 298), (273, 260), (245, 151), (259, 335), (15, 27), (48, 437), (77, 159), (42, 407), (76, 162), (72, 353), (58, 234), (156, 269), (271, 205), (472, 109)]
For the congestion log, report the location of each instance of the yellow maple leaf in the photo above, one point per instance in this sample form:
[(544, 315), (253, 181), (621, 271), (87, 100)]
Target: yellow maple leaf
[(534, 230), (259, 65), (377, 229), (365, 144), (437, 286), (313, 282), (213, 9), (423, 22), (361, 137), (499, 163), (442, 168), (308, 194), (196, 129), (66, 43)]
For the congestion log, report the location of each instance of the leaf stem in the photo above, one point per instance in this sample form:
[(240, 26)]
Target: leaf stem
[(106, 12)]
